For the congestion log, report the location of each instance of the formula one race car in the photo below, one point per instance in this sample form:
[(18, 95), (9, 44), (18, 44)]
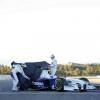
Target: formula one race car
[(41, 79)]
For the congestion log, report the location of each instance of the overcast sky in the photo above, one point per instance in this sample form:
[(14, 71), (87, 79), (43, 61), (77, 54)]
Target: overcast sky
[(31, 30)]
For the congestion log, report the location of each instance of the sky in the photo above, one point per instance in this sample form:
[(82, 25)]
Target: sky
[(32, 30)]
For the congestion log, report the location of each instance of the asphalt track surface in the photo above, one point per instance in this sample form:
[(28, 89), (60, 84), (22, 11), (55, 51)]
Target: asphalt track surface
[(7, 94)]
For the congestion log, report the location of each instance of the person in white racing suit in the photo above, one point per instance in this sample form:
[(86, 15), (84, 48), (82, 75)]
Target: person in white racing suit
[(15, 69), (53, 66)]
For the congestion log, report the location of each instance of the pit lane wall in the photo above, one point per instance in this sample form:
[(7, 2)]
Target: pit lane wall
[(92, 79)]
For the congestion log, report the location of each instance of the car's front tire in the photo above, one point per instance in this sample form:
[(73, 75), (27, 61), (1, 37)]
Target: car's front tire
[(59, 86)]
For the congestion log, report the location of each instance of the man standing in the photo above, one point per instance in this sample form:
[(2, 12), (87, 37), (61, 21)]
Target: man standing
[(16, 67), (53, 66)]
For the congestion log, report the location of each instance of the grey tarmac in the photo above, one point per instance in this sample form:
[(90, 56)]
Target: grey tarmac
[(7, 94)]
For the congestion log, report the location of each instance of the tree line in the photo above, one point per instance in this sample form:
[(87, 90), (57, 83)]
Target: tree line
[(4, 69), (66, 70), (73, 70)]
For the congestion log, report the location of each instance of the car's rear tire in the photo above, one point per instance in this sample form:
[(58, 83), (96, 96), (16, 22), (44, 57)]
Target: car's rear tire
[(85, 79), (59, 86)]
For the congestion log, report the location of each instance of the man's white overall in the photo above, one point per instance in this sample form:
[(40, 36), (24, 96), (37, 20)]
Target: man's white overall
[(53, 67), (17, 68)]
